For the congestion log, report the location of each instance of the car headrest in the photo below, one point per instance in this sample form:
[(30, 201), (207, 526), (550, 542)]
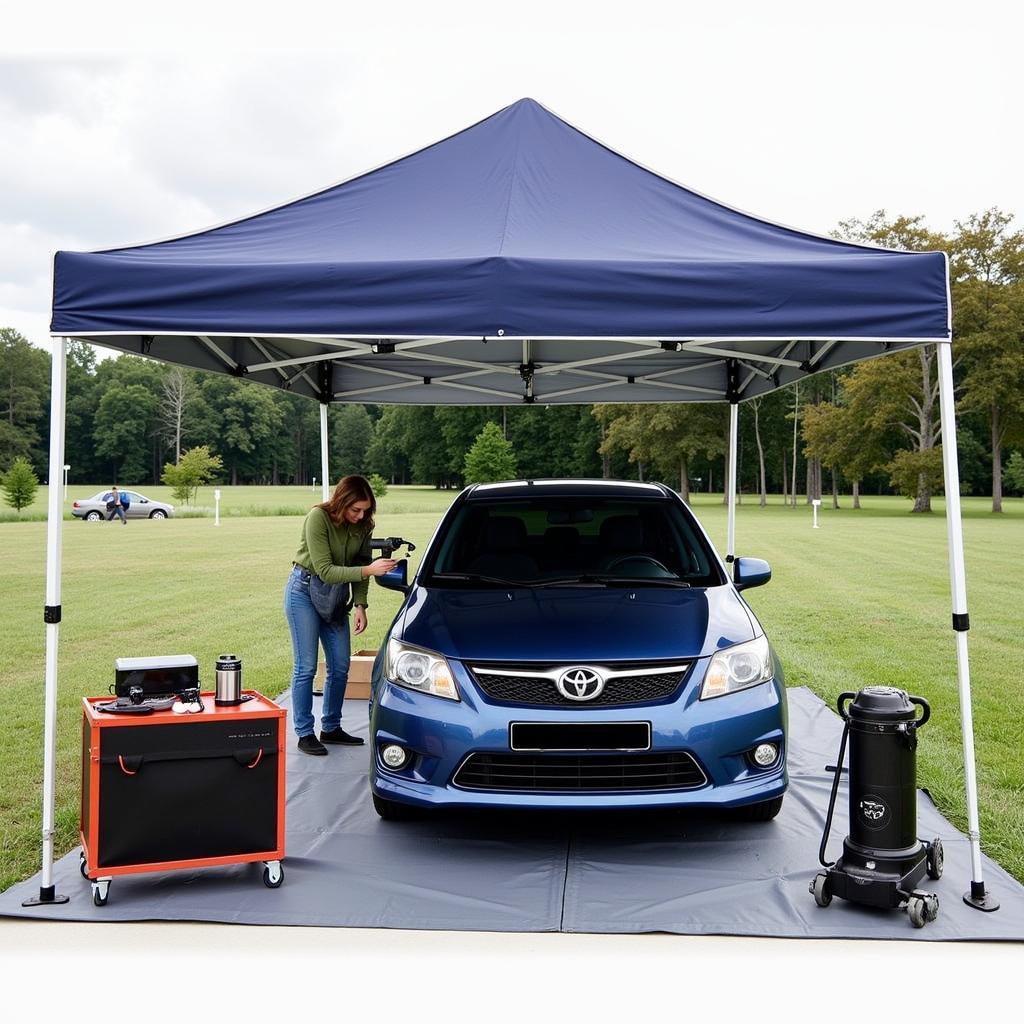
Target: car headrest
[(622, 533)]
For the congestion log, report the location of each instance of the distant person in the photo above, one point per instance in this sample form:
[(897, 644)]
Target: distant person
[(330, 574), (117, 505)]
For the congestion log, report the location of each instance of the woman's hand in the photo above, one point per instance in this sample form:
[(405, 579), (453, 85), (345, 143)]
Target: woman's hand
[(358, 620), (379, 567)]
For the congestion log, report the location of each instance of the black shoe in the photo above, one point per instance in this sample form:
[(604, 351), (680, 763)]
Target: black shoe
[(311, 745), (340, 736)]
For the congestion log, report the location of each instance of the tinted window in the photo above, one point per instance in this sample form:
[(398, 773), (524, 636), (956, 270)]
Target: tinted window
[(557, 538)]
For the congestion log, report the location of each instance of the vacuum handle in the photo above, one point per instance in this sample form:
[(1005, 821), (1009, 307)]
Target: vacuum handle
[(841, 700), (926, 708)]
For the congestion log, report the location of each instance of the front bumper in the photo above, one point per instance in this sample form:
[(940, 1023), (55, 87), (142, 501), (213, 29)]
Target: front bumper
[(442, 734)]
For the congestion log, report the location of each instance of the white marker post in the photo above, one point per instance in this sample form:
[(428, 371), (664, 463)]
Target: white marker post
[(314, 483), (66, 468), (216, 506), (815, 502)]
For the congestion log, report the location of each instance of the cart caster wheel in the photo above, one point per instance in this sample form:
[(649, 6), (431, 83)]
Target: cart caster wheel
[(821, 889), (100, 891), (934, 860), (83, 867), (931, 908), (917, 911), (273, 874)]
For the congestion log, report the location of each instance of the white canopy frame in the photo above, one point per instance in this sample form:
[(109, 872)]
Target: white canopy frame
[(755, 362)]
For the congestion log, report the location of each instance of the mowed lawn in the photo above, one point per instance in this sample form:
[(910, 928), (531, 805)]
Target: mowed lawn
[(240, 501), (862, 600)]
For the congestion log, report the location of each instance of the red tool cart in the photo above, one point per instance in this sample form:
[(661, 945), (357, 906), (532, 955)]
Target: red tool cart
[(162, 791)]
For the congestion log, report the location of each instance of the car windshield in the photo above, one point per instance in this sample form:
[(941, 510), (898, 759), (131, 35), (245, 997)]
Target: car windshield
[(572, 541)]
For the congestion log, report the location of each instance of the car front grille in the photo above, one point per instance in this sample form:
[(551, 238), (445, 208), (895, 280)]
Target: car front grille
[(592, 773), (534, 685)]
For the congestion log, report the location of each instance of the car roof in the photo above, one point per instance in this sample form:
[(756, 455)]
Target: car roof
[(564, 488)]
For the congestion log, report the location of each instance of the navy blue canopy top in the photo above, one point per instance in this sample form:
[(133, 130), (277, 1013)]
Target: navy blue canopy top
[(519, 230)]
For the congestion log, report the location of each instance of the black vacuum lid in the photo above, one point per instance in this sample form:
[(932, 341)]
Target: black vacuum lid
[(882, 703)]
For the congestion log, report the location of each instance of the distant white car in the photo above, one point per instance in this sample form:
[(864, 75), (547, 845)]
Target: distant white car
[(141, 507)]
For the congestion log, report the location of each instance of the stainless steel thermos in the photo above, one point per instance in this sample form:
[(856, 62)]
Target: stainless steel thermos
[(229, 679)]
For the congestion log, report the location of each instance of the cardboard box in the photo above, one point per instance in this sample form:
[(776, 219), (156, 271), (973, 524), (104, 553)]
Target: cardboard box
[(358, 675)]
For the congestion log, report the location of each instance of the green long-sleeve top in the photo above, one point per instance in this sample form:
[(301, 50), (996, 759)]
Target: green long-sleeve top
[(335, 553)]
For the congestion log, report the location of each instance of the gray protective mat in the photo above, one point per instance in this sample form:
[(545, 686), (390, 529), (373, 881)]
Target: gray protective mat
[(640, 872)]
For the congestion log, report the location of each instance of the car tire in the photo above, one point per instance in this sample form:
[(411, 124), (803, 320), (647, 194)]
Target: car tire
[(158, 513), (759, 812), (392, 810), (92, 516)]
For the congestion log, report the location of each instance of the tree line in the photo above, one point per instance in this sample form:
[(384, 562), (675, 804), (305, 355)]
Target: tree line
[(873, 426)]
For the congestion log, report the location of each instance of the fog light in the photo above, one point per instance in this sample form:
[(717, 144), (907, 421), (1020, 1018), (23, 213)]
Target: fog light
[(765, 754), (394, 756)]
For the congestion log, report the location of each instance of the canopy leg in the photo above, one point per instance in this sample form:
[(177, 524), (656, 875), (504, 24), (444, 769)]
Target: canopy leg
[(325, 479), (977, 896), (730, 544), (51, 616)]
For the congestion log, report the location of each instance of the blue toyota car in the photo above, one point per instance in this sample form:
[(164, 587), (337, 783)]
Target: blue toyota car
[(576, 644)]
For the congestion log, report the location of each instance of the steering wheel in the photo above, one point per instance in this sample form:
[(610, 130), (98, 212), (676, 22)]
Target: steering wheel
[(642, 559)]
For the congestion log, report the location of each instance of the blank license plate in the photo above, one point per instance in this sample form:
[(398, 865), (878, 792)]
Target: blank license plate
[(580, 735)]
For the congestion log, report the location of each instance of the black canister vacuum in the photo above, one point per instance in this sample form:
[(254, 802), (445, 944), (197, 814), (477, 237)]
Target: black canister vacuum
[(883, 860)]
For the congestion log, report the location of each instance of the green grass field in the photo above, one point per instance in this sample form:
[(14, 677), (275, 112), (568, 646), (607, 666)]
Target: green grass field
[(864, 599), (241, 501)]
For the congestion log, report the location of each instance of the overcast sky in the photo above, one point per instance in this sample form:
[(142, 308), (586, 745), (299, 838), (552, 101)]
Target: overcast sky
[(115, 132)]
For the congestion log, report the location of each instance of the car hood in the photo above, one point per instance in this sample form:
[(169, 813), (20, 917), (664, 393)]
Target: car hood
[(575, 624)]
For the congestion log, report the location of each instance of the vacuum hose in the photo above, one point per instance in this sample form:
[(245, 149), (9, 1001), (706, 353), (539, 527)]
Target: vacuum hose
[(835, 782)]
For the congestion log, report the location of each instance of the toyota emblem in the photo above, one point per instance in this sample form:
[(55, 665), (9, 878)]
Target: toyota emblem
[(580, 683)]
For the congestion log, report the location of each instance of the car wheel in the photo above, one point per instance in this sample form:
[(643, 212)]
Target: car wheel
[(391, 810), (92, 516), (158, 513), (759, 812)]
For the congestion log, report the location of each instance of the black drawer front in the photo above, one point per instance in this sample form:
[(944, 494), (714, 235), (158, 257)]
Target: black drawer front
[(580, 736), (187, 792)]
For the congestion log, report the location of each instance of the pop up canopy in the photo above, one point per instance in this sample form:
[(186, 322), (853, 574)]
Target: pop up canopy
[(519, 260)]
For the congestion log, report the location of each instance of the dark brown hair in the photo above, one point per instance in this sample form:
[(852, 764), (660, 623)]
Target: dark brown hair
[(348, 491)]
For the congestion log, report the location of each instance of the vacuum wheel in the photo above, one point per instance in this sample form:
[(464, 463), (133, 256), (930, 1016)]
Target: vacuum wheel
[(922, 909), (100, 891), (821, 889), (273, 874), (934, 860)]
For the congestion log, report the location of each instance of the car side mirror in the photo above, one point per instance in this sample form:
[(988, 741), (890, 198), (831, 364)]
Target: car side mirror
[(750, 572), (397, 578)]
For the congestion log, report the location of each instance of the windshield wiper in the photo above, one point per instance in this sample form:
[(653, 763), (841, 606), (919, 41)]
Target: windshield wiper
[(601, 580), (472, 577)]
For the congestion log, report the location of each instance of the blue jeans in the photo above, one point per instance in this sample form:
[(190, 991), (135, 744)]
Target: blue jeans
[(117, 510), (308, 630)]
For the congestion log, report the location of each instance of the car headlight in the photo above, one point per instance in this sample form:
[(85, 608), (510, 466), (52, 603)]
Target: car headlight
[(737, 668), (419, 669)]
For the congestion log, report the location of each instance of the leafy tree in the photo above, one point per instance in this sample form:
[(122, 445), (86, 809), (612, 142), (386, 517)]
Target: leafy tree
[(378, 485), (24, 396), (196, 467), (123, 424), (245, 421), (20, 484), (490, 458), (907, 469), (987, 268), (459, 426), (1015, 473), (81, 400), (666, 436), (905, 384), (350, 431)]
